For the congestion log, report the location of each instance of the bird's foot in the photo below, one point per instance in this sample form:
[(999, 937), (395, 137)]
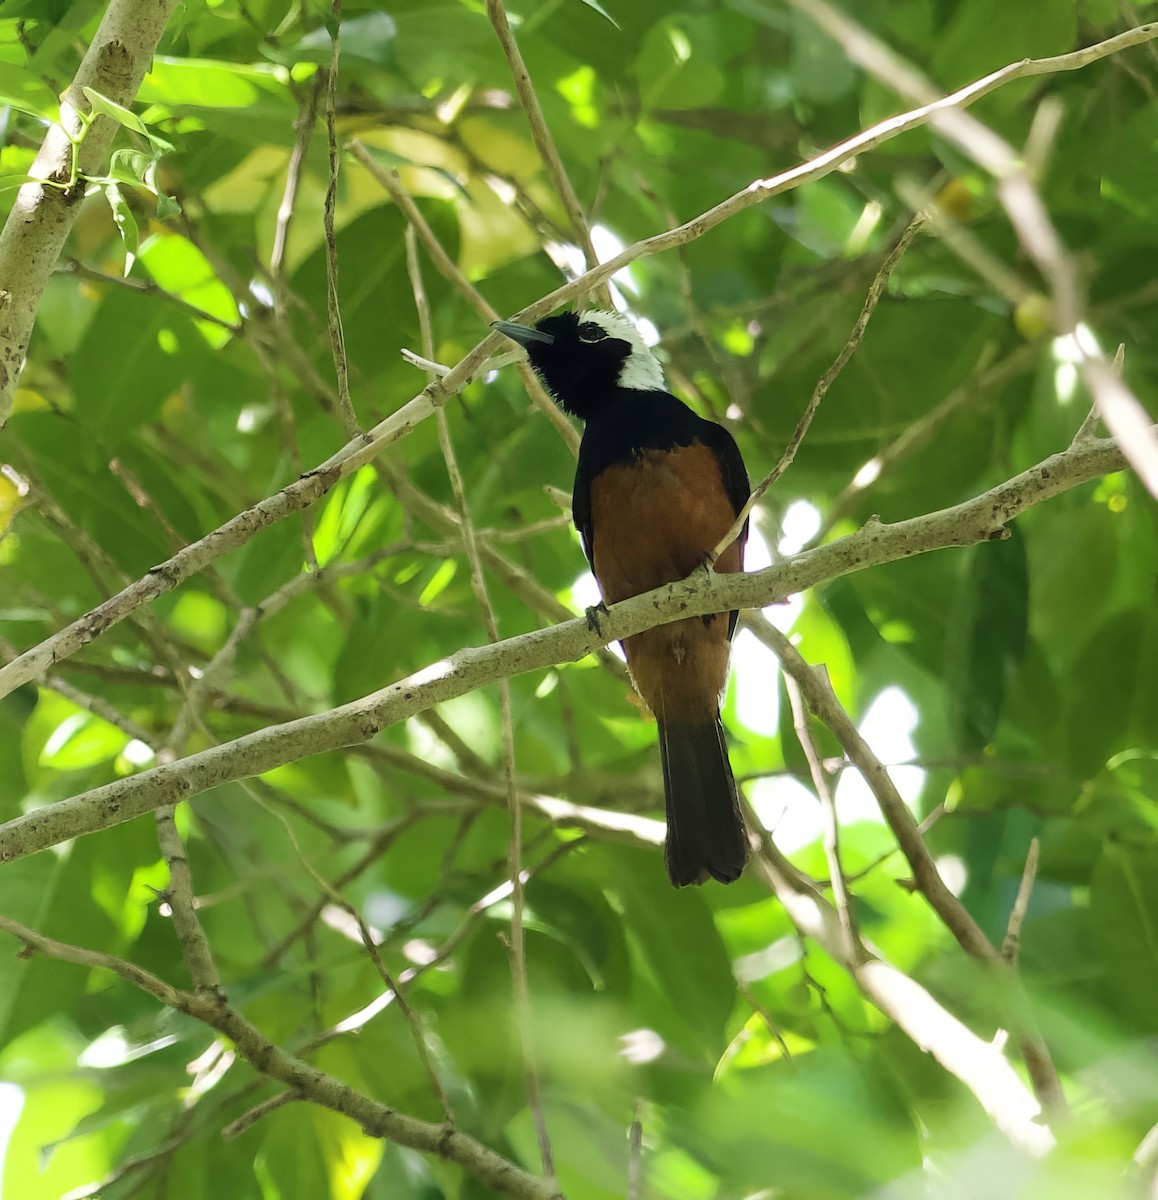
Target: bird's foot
[(593, 621)]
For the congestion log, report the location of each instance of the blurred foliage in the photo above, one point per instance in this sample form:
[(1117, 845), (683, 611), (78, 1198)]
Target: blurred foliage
[(160, 400)]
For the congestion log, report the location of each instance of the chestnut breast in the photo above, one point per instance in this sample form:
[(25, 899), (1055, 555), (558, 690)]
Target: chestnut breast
[(655, 518)]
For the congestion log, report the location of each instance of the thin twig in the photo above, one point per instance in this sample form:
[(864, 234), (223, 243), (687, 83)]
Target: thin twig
[(293, 177), (961, 1052), (417, 1032), (821, 699), (178, 895), (1128, 422), (635, 1152), (449, 270), (316, 483), (982, 518), (97, 705), (146, 287), (380, 842), (840, 893), (1145, 1161), (345, 408), (983, 385), (103, 570), (1011, 946), (377, 1120), (259, 1112), (1089, 427), (543, 140), (766, 1016), (876, 290), (968, 247), (515, 865)]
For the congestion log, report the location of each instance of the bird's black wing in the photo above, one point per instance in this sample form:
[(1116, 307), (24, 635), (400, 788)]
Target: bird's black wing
[(723, 445), (735, 474), (581, 505)]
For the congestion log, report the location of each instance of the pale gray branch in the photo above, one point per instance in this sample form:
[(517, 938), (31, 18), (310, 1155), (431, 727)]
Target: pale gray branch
[(1124, 416), (377, 1120), (821, 699), (977, 1064), (982, 518), (314, 484), (41, 217)]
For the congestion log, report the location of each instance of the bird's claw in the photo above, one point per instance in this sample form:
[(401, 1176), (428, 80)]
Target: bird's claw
[(593, 621)]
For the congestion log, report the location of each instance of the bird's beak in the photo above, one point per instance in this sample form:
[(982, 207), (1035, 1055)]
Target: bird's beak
[(523, 334)]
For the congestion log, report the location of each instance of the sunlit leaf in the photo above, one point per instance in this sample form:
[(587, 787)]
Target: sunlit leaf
[(126, 223), (601, 11)]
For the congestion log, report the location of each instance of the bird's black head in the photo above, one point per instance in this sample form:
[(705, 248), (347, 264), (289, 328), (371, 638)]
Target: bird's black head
[(583, 360)]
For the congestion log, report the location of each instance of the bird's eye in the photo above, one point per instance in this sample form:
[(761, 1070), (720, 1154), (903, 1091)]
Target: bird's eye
[(590, 332)]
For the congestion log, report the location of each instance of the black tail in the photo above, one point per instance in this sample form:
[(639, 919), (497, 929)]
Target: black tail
[(705, 831)]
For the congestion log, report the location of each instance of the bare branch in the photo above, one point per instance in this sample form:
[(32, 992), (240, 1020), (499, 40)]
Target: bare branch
[(1146, 1163), (982, 384), (635, 1146), (876, 290), (345, 408), (449, 270), (1011, 946), (375, 1119), (179, 896), (817, 691), (518, 946), (307, 116), (1125, 418), (981, 519), (977, 1064), (542, 138), (42, 216), (823, 164), (314, 484), (259, 1112), (307, 489), (840, 892)]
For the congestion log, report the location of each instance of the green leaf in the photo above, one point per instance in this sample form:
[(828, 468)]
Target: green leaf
[(126, 224), (987, 637), (125, 367), (210, 84), (388, 158), (675, 935), (134, 167), (601, 11), (167, 207), (1124, 904), (22, 90), (27, 894), (120, 114), (130, 120)]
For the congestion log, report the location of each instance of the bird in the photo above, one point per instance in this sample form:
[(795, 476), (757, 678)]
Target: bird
[(657, 487)]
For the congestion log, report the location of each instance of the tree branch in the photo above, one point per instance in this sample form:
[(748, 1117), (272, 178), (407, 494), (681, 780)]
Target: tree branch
[(42, 216), (817, 691), (980, 519), (1124, 416), (314, 484), (852, 342), (376, 1119), (541, 135), (977, 1064)]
